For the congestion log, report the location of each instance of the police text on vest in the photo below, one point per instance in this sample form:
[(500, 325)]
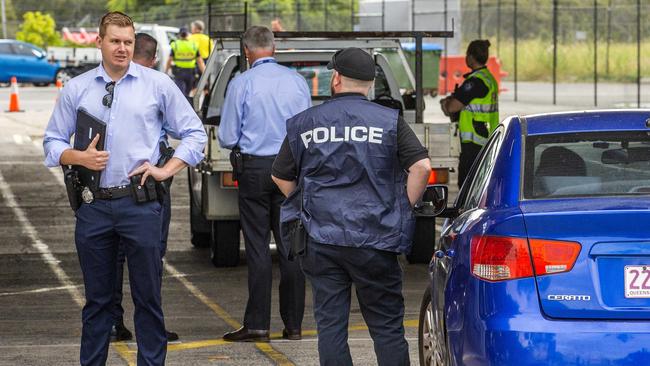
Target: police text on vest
[(320, 135)]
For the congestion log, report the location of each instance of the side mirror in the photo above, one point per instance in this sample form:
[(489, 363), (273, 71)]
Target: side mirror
[(434, 201)]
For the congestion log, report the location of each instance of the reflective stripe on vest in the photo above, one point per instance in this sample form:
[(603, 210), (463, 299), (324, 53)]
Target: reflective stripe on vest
[(484, 109), (184, 53)]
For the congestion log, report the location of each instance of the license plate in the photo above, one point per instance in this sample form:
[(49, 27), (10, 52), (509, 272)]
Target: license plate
[(637, 282)]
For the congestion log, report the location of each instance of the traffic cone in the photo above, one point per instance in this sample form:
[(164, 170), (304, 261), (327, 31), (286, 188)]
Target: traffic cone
[(13, 99), (59, 85)]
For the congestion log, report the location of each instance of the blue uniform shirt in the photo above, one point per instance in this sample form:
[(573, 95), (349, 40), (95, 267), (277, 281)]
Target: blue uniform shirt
[(257, 105), (146, 104)]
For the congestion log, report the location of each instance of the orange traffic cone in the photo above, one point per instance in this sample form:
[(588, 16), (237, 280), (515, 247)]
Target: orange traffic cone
[(59, 85), (13, 99)]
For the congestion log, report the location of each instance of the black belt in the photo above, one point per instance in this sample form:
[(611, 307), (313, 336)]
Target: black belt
[(257, 157), (112, 193)]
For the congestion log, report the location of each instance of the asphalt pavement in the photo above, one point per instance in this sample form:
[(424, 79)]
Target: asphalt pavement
[(41, 289)]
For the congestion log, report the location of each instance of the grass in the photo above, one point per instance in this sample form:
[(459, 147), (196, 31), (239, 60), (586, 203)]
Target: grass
[(575, 61)]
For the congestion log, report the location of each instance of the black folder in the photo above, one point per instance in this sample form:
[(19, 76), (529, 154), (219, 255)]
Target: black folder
[(88, 126)]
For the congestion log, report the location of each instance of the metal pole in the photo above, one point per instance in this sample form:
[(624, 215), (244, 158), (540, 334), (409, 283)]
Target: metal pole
[(609, 35), (383, 15), (351, 15), (298, 20), (638, 53), (555, 51), (480, 19), (596, 53), (273, 7), (498, 27), (4, 20), (514, 22), (326, 13), (419, 97), (446, 52)]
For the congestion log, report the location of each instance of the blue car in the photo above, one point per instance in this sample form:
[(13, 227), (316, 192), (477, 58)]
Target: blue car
[(26, 62), (544, 258)]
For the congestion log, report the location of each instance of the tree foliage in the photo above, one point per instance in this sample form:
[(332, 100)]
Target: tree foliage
[(38, 29)]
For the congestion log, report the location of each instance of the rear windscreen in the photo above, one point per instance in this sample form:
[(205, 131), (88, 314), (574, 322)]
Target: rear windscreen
[(317, 76), (587, 164)]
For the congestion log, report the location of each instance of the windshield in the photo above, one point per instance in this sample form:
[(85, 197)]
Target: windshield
[(587, 164)]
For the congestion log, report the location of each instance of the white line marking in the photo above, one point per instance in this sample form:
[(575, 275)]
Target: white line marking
[(38, 290), (38, 244)]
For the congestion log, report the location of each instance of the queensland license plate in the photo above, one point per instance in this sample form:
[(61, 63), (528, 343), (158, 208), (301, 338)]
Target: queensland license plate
[(637, 282)]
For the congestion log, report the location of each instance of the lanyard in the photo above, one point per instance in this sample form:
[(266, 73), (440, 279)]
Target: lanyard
[(257, 63)]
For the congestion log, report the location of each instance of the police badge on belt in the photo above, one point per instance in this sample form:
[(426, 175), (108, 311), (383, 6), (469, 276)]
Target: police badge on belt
[(87, 195)]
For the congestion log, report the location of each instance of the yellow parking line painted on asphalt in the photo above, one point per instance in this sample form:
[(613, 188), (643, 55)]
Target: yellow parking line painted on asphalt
[(196, 344), (270, 352), (279, 358), (413, 323), (125, 352)]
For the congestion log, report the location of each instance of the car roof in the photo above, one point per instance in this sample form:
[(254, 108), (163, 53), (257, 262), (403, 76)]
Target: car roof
[(587, 121)]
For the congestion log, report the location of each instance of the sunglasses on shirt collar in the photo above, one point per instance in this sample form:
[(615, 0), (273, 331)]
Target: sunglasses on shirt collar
[(107, 100)]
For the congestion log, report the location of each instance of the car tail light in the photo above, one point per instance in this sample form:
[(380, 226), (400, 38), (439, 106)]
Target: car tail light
[(439, 176), (227, 181), (498, 258), (552, 256)]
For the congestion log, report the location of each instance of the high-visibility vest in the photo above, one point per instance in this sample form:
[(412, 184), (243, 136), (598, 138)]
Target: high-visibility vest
[(484, 109), (184, 53)]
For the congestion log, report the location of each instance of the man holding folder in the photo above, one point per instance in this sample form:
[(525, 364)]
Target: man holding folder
[(136, 103)]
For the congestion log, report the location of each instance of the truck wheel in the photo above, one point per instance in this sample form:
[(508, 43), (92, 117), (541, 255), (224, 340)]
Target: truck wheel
[(224, 243), (63, 75), (424, 240), (200, 228)]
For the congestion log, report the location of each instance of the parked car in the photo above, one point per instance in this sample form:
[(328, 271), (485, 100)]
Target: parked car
[(28, 63), (545, 255)]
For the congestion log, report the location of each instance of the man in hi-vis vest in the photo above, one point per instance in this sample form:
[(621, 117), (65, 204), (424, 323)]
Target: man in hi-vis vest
[(185, 56), (477, 100)]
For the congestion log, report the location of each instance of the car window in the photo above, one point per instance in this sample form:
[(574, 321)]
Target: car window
[(25, 50), (171, 36), (317, 75), (381, 83), (587, 164), (5, 49), (483, 171)]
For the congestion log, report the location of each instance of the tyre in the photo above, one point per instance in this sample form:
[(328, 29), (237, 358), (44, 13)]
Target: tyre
[(40, 85), (62, 75), (432, 343), (424, 240), (224, 243), (200, 228)]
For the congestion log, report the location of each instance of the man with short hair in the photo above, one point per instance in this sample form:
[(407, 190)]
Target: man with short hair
[(144, 54), (201, 40), (185, 57), (257, 104), (352, 171), (136, 104)]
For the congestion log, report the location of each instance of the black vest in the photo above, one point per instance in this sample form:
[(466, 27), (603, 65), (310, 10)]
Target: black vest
[(352, 187)]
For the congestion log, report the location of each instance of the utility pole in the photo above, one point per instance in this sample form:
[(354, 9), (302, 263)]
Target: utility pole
[(4, 20)]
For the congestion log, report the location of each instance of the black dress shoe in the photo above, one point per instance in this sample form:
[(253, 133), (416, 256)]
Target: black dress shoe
[(171, 336), (292, 334), (244, 334), (120, 333)]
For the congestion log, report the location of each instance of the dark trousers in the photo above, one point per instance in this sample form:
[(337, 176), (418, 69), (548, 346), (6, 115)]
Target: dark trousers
[(118, 310), (184, 79), (377, 278), (259, 211), (468, 153), (101, 226)]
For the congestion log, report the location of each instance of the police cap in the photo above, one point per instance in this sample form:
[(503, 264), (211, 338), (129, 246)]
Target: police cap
[(354, 63)]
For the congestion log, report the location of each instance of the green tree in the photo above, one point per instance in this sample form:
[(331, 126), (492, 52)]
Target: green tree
[(38, 29)]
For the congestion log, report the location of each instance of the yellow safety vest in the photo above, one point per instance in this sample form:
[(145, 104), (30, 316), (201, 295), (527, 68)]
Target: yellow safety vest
[(184, 53), (484, 109)]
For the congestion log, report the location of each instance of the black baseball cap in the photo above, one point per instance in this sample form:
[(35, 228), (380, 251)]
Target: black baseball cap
[(354, 63)]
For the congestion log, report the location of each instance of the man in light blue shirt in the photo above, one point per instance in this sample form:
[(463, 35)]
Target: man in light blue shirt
[(136, 103), (253, 118)]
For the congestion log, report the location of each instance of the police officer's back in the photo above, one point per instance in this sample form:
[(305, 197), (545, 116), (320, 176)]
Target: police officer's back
[(477, 100), (186, 57), (352, 170)]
